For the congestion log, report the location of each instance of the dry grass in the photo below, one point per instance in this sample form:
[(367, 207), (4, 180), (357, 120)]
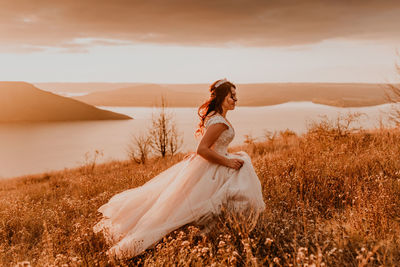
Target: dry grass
[(332, 196)]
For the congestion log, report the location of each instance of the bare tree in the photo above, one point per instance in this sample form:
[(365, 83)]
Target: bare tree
[(392, 93), (163, 134), (175, 140), (140, 148)]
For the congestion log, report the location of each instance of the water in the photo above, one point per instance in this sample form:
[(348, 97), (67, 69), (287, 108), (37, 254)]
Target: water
[(28, 148), (71, 94)]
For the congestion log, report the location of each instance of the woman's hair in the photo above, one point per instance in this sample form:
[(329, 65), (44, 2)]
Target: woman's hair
[(214, 103)]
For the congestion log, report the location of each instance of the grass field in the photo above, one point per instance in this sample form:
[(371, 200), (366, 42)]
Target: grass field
[(332, 196)]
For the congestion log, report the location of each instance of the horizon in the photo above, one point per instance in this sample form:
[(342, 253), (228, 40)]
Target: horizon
[(193, 83), (359, 64)]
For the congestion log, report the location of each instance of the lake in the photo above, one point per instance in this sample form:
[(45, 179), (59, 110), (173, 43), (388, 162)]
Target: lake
[(28, 148)]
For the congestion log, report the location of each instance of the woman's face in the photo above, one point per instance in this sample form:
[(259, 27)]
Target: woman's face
[(230, 100)]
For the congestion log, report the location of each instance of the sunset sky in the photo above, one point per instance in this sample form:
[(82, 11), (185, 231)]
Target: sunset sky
[(190, 41)]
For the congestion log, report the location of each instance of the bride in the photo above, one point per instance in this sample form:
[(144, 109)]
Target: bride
[(189, 191)]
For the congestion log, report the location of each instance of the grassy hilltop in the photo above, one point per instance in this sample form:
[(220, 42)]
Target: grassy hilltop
[(332, 196)]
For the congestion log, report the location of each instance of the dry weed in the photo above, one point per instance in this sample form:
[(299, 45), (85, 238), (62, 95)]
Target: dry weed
[(332, 196)]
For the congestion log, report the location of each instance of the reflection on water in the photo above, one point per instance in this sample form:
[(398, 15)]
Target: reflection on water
[(39, 147), (71, 94)]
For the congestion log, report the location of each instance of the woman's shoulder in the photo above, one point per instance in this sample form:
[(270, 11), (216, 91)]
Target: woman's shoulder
[(214, 118), (213, 114)]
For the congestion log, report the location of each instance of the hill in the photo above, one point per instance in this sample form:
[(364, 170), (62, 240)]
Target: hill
[(257, 94), (76, 87), (20, 101), (148, 95), (332, 196)]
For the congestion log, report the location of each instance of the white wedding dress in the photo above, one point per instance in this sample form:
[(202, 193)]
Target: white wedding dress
[(187, 192)]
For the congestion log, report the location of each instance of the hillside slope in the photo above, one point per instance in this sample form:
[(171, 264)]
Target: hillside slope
[(261, 94), (82, 87), (147, 95), (332, 197), (20, 101)]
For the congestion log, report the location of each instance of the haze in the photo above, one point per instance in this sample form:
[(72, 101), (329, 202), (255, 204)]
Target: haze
[(199, 41)]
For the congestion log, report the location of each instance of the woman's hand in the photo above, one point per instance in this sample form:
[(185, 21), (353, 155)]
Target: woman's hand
[(235, 163)]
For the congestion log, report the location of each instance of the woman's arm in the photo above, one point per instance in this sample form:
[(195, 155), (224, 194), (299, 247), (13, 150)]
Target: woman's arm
[(209, 138)]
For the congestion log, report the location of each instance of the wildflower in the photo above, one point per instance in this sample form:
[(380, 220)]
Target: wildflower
[(232, 259), (23, 264), (205, 250), (268, 241), (301, 254)]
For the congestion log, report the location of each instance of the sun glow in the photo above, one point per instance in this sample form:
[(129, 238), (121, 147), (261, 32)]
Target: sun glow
[(105, 60)]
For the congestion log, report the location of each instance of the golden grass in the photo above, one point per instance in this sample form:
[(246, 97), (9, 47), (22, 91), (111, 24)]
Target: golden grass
[(332, 196)]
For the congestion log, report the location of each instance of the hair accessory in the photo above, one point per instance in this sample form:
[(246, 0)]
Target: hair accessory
[(224, 80)]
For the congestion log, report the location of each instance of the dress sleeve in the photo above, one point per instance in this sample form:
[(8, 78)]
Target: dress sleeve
[(214, 120)]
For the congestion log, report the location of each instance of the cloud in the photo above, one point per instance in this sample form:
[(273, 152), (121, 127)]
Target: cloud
[(37, 24)]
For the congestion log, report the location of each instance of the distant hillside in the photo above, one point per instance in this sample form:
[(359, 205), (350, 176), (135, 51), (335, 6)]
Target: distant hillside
[(192, 95), (148, 95), (82, 87), (20, 101)]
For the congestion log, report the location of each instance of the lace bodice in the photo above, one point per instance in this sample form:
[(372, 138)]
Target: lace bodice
[(221, 144)]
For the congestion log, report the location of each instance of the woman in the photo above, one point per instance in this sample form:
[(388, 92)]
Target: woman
[(191, 190)]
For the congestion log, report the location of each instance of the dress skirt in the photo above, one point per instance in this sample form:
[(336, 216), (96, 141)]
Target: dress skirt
[(187, 192)]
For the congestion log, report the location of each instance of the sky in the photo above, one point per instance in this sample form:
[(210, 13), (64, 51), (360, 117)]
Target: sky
[(187, 41)]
